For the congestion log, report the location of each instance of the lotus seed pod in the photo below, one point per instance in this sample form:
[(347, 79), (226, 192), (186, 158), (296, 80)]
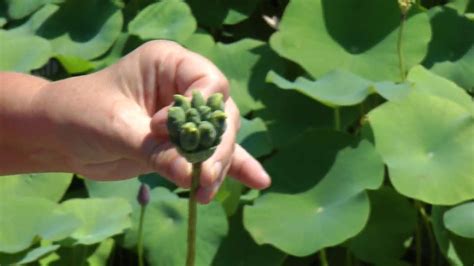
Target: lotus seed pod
[(181, 101), (216, 102), (189, 137), (176, 118), (197, 99), (192, 115), (218, 121), (205, 112), (208, 134), (143, 196)]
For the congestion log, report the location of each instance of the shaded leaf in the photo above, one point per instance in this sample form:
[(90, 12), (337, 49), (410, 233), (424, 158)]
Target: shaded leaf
[(238, 248), (392, 221), (165, 229), (27, 256), (253, 137), (86, 34), (18, 9), (450, 56)]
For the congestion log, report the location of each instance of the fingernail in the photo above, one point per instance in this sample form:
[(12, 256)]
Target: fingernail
[(217, 168)]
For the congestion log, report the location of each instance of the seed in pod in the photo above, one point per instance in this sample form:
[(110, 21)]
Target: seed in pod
[(198, 99), (208, 134), (216, 102), (181, 101), (143, 196), (189, 137), (205, 112), (192, 115), (218, 121), (176, 118)]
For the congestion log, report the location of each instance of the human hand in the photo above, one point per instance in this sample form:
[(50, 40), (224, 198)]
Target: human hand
[(112, 124)]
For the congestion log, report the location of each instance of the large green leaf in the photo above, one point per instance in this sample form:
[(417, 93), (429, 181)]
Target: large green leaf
[(460, 220), (168, 19), (427, 143), (165, 229), (334, 210), (100, 218), (425, 80), (449, 55), (22, 53), (239, 249), (392, 221), (51, 186), (340, 88), (86, 34), (25, 218), (359, 36)]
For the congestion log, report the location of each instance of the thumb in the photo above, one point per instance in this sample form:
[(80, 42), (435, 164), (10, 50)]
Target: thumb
[(155, 150)]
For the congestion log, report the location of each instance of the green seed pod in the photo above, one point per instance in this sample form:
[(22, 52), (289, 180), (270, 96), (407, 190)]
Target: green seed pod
[(205, 112), (218, 121), (189, 137), (192, 115), (208, 134), (216, 102), (176, 118), (197, 99), (181, 101)]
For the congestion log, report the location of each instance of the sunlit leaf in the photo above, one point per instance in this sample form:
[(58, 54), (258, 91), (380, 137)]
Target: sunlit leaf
[(460, 220), (100, 218), (334, 210), (51, 186), (168, 19), (427, 143), (357, 36), (22, 53)]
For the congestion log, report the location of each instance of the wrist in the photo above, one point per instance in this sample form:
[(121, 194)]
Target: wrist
[(25, 132)]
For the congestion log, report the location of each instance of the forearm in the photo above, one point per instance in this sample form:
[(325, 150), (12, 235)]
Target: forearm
[(24, 132)]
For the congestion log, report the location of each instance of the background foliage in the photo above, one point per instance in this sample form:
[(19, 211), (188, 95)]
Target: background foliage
[(368, 168)]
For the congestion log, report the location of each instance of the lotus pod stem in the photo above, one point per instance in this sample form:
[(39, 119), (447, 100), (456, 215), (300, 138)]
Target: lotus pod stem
[(196, 129)]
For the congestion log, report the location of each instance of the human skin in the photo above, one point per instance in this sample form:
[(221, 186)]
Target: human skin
[(111, 124)]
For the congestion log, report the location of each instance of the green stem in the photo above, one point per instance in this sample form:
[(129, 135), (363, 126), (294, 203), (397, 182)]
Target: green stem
[(323, 258), (192, 215), (426, 221), (400, 48), (140, 236), (337, 119), (418, 243)]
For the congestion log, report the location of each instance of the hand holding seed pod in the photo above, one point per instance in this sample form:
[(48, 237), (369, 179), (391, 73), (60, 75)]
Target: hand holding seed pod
[(196, 126)]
